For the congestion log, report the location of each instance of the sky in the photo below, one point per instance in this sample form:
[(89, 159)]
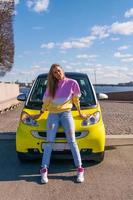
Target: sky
[(89, 36)]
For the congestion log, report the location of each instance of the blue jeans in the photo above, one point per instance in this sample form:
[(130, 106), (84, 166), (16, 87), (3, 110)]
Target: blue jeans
[(67, 122)]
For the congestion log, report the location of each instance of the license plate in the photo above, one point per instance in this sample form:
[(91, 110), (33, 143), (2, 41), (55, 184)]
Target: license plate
[(59, 146)]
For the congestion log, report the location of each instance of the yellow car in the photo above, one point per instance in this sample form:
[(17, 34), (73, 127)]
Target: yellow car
[(90, 133)]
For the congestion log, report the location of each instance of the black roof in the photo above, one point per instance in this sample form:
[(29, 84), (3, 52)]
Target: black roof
[(66, 73)]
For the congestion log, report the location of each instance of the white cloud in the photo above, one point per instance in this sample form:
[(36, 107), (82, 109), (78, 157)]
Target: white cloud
[(37, 69), (119, 55), (123, 47), (78, 43), (75, 63), (86, 56), (82, 56), (129, 13), (127, 59), (66, 45), (50, 45), (38, 5), (87, 40), (93, 56), (68, 67), (25, 72), (110, 74), (125, 28), (87, 64), (115, 39), (73, 44), (124, 57), (97, 32), (100, 31)]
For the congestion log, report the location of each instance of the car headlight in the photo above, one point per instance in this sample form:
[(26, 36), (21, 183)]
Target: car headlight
[(26, 119), (92, 119)]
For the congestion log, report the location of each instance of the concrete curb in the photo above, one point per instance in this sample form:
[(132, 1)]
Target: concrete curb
[(12, 136), (8, 107)]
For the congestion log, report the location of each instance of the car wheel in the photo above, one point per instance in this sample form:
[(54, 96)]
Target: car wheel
[(99, 157), (22, 157)]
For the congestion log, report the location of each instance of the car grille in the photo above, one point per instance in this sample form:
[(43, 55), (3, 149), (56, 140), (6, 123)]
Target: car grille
[(59, 135)]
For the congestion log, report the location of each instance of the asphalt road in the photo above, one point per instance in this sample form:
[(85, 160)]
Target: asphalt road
[(110, 180)]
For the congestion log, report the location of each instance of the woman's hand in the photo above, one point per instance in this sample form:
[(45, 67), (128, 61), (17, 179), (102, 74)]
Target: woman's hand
[(84, 116), (35, 116)]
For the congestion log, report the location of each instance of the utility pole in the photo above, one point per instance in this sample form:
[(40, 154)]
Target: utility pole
[(95, 77), (95, 80)]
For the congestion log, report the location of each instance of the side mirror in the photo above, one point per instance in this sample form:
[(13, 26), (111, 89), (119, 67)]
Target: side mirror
[(102, 96), (21, 97)]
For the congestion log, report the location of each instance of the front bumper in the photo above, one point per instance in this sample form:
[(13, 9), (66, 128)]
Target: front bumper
[(85, 155)]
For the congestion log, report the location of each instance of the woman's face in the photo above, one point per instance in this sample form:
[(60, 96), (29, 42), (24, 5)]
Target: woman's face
[(58, 73)]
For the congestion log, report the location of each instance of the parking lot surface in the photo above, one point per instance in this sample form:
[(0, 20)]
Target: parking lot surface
[(110, 180)]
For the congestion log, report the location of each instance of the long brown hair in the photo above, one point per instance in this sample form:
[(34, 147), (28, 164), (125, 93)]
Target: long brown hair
[(52, 81)]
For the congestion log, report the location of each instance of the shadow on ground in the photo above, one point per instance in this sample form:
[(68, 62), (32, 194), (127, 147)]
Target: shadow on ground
[(11, 169)]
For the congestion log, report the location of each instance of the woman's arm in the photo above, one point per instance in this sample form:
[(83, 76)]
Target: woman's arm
[(44, 108), (76, 102)]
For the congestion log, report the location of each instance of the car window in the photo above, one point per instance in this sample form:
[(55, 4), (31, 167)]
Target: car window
[(38, 90), (36, 95), (87, 95)]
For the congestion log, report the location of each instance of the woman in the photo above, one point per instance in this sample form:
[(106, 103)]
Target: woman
[(60, 94)]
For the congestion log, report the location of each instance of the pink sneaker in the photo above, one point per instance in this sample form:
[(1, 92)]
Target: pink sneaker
[(80, 175), (44, 175)]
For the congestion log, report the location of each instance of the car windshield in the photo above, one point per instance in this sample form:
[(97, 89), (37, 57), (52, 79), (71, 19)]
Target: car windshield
[(35, 97)]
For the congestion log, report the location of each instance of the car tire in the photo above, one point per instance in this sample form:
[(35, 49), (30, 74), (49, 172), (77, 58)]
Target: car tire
[(25, 157), (99, 157), (22, 157)]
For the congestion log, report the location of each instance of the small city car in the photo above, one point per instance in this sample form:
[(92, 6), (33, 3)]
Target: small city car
[(90, 133)]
